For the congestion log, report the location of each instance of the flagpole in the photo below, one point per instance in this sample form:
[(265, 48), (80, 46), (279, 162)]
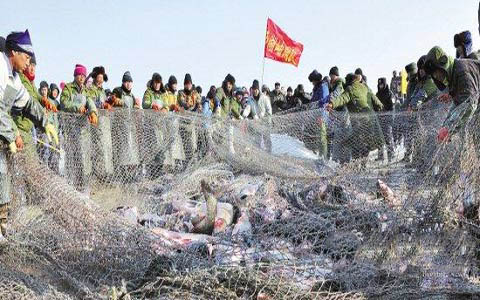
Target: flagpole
[(263, 69)]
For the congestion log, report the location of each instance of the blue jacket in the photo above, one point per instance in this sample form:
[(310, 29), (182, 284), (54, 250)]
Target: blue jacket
[(320, 94)]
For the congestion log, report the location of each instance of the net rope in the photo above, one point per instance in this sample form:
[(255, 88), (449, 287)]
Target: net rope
[(123, 210)]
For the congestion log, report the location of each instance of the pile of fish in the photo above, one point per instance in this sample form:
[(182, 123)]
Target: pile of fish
[(300, 233)]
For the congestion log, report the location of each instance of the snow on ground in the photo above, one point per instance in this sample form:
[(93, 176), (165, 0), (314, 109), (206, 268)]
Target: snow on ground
[(283, 144)]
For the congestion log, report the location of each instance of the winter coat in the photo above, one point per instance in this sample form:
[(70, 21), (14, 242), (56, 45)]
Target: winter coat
[(98, 95), (73, 98), (249, 109), (464, 83), (225, 100), (337, 88), (386, 97), (23, 123), (15, 101), (425, 90), (320, 94), (264, 106), (366, 132), (127, 100), (189, 101), (151, 97)]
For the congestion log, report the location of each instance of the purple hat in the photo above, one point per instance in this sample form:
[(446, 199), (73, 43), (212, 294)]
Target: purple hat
[(19, 41)]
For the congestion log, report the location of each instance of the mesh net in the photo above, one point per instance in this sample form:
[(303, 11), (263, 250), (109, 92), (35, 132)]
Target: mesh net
[(177, 206)]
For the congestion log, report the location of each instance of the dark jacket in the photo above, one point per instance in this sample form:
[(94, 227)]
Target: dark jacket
[(385, 95)]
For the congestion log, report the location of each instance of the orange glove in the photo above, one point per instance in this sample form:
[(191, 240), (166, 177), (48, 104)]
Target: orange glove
[(444, 98), (83, 110), (107, 105), (19, 143), (49, 106), (442, 135), (174, 108), (93, 119), (156, 107)]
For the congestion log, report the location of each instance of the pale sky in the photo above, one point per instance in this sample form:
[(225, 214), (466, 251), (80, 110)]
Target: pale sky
[(209, 39)]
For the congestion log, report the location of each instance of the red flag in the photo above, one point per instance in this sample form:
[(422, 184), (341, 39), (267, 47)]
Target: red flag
[(279, 47)]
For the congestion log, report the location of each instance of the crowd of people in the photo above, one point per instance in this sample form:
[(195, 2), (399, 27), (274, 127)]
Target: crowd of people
[(29, 115)]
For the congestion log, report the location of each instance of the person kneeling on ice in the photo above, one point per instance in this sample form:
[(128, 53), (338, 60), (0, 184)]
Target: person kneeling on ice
[(15, 100)]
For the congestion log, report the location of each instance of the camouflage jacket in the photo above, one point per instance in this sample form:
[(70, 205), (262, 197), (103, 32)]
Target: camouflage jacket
[(23, 123), (151, 97), (73, 98), (190, 101)]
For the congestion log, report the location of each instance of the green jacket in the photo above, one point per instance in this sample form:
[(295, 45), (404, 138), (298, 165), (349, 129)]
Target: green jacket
[(366, 132), (355, 98), (73, 98), (236, 110), (225, 102), (98, 95), (150, 97), (373, 101), (23, 123)]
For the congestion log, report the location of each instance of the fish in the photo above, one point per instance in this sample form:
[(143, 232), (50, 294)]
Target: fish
[(249, 190), (206, 224), (388, 194), (243, 226), (181, 240)]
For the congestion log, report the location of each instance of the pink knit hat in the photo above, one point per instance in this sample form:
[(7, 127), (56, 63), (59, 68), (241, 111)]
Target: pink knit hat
[(80, 70)]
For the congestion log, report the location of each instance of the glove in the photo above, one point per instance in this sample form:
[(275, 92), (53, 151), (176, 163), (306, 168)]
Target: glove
[(107, 106), (48, 105), (174, 108), (19, 142), (444, 98), (51, 133), (93, 119), (12, 147), (442, 135), (83, 109), (156, 107)]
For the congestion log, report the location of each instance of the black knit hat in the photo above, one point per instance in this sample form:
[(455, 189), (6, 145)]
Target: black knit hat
[(315, 76), (97, 71), (199, 89), (349, 79), (230, 78), (53, 86), (255, 85), (411, 68), (172, 80), (156, 77), (289, 89), (108, 92), (334, 71), (300, 88), (43, 84), (277, 84), (421, 62), (382, 80), (358, 71), (188, 79), (127, 77)]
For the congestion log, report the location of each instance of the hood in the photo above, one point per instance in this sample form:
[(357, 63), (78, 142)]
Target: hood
[(438, 59)]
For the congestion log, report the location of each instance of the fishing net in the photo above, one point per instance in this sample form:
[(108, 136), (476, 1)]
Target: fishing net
[(177, 206)]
